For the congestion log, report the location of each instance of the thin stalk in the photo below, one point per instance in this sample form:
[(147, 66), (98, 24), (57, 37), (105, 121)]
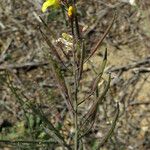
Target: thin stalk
[(76, 125), (76, 21), (28, 141), (77, 27), (76, 85), (75, 32), (76, 105)]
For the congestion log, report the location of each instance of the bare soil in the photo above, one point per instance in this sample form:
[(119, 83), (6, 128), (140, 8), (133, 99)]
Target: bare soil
[(22, 53)]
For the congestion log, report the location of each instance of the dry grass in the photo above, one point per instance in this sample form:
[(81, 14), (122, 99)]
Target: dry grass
[(21, 51)]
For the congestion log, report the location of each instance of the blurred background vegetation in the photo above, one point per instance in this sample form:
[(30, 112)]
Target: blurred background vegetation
[(22, 52)]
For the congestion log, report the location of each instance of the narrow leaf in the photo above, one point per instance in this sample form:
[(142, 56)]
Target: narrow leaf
[(97, 79), (48, 30), (109, 134), (101, 40), (90, 116), (61, 83), (52, 130)]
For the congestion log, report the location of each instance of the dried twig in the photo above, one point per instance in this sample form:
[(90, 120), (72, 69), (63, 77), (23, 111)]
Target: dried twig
[(145, 61), (27, 65)]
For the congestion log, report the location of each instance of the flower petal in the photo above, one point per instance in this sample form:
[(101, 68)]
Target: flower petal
[(47, 4)]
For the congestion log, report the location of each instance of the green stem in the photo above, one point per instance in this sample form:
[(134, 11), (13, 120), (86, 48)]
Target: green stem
[(76, 122), (76, 83)]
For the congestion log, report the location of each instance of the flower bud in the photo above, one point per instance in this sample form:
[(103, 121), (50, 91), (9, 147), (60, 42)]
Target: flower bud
[(71, 11)]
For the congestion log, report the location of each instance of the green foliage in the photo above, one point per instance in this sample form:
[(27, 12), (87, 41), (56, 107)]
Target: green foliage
[(37, 124)]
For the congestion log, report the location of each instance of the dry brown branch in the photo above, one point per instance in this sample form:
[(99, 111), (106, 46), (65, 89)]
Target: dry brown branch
[(27, 65), (138, 64)]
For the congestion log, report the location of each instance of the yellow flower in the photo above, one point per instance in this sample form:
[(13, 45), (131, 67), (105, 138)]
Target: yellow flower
[(71, 11), (49, 3)]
